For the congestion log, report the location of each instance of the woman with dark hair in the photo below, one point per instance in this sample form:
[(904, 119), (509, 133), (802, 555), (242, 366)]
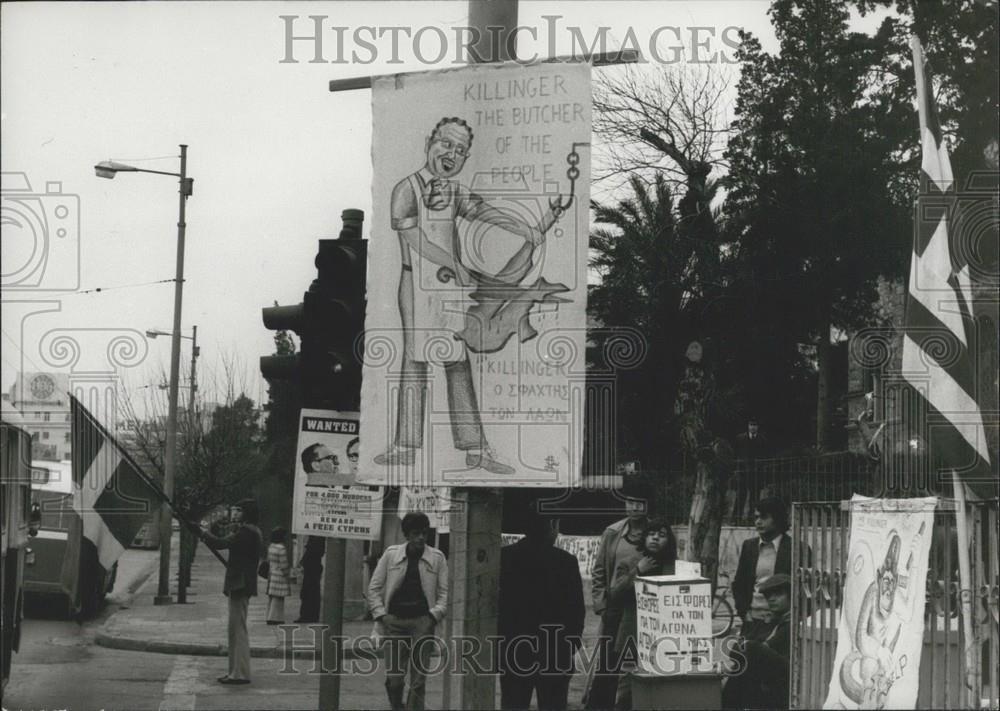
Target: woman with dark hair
[(657, 556)]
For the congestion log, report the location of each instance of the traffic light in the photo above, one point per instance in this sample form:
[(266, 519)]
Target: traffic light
[(329, 322), (282, 318)]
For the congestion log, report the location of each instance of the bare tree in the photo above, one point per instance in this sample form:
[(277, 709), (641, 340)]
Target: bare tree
[(220, 441), (220, 444), (667, 126), (669, 119)]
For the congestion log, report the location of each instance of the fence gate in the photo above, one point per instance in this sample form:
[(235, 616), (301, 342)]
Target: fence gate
[(820, 535)]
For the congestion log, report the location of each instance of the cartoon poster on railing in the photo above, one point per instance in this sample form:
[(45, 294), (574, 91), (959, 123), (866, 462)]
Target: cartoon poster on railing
[(881, 629), (476, 322)]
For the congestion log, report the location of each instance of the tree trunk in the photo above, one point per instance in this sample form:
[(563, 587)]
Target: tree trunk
[(823, 352), (715, 465)]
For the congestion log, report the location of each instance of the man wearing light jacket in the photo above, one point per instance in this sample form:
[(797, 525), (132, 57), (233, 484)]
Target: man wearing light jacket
[(408, 596), (617, 547)]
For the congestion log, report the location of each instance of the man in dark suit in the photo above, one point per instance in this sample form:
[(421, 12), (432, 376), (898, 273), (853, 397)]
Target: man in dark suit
[(766, 554), (751, 445), (240, 585), (541, 618), (763, 680)]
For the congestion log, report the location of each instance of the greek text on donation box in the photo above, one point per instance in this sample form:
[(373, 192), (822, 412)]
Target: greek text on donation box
[(674, 624)]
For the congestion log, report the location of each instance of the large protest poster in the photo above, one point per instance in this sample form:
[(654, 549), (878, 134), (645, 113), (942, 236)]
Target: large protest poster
[(881, 629), (326, 501), (475, 332)]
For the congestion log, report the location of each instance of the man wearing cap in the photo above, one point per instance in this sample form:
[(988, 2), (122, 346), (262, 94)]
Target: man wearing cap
[(761, 678), (244, 546)]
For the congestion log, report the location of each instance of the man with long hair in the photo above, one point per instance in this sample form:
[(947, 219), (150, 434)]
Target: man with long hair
[(244, 545)]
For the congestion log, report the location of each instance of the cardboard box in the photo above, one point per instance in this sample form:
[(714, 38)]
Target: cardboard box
[(673, 624)]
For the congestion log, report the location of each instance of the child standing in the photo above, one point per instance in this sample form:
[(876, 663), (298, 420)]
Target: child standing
[(278, 587)]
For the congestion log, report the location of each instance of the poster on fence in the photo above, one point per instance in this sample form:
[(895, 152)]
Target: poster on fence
[(475, 333), (325, 500), (881, 629), (583, 548)]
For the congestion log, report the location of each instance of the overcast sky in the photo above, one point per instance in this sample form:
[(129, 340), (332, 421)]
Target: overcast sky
[(275, 156)]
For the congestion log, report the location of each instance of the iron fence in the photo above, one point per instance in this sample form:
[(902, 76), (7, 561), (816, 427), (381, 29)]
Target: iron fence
[(820, 532), (823, 477)]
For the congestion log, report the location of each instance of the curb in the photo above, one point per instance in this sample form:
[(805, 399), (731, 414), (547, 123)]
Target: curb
[(132, 644), (205, 649), (111, 641)]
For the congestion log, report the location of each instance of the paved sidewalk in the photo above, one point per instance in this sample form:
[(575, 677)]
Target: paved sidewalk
[(197, 631), (199, 626)]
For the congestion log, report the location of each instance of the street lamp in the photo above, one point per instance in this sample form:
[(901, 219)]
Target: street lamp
[(109, 169), (195, 352)]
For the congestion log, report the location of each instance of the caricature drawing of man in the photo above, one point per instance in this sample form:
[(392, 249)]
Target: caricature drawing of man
[(866, 674), (425, 208)]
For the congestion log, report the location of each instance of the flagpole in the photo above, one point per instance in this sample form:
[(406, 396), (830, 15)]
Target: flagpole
[(157, 489), (966, 591), (918, 64)]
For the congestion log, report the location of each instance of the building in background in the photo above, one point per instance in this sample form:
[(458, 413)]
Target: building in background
[(43, 401)]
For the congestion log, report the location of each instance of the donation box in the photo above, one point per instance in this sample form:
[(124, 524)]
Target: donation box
[(674, 624)]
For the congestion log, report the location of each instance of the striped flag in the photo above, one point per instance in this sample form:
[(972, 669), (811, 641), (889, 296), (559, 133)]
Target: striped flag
[(938, 340), (111, 494)]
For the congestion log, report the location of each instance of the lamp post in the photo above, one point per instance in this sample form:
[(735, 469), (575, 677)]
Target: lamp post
[(186, 548), (195, 352), (108, 169)]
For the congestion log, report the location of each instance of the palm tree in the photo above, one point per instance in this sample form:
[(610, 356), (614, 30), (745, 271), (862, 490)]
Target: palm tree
[(658, 265)]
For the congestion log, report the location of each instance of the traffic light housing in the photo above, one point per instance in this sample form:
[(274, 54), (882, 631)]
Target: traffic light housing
[(329, 323)]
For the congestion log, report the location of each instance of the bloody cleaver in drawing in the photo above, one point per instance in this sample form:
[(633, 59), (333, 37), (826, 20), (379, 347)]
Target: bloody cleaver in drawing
[(440, 293)]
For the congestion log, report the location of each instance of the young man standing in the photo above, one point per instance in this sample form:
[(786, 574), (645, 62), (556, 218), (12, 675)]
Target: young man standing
[(766, 554), (244, 545), (408, 596), (617, 547)]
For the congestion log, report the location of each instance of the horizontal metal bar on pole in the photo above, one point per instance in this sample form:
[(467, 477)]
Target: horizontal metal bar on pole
[(601, 59)]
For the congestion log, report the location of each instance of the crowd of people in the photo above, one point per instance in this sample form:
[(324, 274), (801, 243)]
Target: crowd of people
[(541, 610)]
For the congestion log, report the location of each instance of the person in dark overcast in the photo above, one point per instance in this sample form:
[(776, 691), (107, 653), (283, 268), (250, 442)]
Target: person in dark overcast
[(312, 572), (541, 615)]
